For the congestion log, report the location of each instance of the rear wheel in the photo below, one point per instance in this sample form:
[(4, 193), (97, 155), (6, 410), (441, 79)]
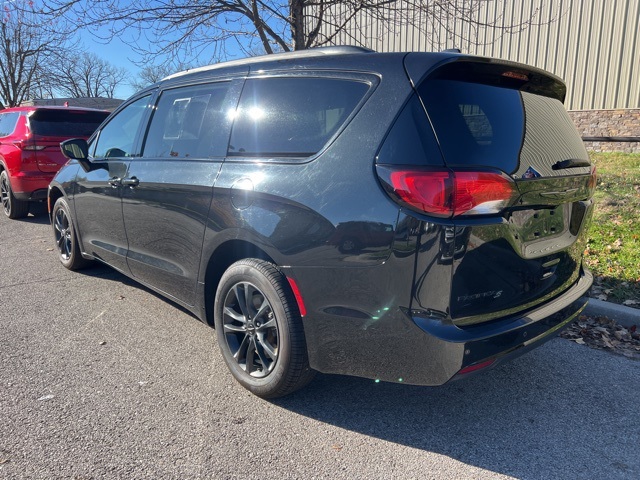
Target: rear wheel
[(259, 329), (12, 207), (65, 236)]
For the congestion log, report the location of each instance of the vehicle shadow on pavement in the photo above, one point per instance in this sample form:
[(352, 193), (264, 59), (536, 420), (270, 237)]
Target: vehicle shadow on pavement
[(548, 414), (38, 215), (99, 270)]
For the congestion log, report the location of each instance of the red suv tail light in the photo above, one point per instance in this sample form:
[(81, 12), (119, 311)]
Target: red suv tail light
[(449, 193), (26, 145)]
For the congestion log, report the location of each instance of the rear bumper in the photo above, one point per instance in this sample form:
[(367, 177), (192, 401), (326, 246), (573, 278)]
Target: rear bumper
[(506, 338), (412, 347), (31, 185)]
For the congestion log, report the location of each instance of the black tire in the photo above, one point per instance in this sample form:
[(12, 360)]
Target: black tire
[(65, 236), (259, 329), (12, 207)]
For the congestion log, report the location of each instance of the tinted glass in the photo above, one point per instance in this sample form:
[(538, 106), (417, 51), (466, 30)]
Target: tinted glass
[(292, 117), (8, 123), (117, 137), (184, 120), (550, 136), (62, 123), (476, 124), (411, 140), (503, 128)]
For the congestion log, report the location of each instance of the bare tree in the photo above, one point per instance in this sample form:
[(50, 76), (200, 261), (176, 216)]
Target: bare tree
[(154, 73), (205, 29), (87, 75), (29, 46)]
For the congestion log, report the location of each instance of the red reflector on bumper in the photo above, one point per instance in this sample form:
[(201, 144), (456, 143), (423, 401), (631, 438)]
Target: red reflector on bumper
[(477, 366), (298, 295)]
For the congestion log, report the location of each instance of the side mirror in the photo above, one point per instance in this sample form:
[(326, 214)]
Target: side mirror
[(77, 149)]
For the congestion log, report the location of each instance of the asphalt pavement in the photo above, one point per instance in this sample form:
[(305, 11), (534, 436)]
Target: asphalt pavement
[(101, 378)]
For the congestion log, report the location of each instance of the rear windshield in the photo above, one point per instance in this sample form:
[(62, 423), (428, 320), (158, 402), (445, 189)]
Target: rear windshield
[(504, 128), (62, 123)]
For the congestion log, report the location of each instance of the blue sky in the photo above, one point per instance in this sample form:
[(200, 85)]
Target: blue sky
[(119, 54)]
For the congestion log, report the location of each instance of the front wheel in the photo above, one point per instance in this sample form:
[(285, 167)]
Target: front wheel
[(259, 329), (65, 237), (12, 207)]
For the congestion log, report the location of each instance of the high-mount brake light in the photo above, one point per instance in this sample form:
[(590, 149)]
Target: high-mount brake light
[(448, 193)]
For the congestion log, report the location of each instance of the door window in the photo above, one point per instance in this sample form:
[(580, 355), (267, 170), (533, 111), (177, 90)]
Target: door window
[(184, 122), (117, 138)]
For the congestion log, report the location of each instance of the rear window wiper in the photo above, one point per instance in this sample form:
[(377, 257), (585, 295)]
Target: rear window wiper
[(570, 163)]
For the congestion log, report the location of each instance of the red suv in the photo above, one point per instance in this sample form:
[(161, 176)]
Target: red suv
[(30, 150)]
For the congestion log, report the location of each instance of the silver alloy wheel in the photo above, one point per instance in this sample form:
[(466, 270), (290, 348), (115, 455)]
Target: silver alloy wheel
[(62, 230), (250, 329)]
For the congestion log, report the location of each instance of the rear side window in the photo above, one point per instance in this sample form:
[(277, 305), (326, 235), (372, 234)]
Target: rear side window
[(8, 123), (63, 123), (185, 122), (411, 140), (291, 117)]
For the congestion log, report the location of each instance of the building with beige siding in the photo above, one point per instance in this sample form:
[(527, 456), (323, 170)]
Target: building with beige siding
[(593, 45)]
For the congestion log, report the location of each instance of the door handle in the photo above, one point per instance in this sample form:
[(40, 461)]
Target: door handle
[(130, 182), (115, 182)]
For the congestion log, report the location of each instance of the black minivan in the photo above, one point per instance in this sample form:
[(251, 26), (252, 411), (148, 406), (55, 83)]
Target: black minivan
[(407, 217)]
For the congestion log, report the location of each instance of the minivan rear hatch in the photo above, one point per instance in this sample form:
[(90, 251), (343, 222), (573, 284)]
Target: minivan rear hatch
[(508, 119), (51, 126)]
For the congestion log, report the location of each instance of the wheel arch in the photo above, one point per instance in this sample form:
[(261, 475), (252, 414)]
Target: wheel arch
[(53, 195), (220, 260)]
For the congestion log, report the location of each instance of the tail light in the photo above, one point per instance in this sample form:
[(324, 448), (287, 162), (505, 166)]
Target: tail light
[(24, 145), (449, 193)]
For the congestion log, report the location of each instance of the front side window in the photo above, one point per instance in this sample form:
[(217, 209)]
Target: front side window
[(184, 122), (8, 123), (291, 116), (117, 138)]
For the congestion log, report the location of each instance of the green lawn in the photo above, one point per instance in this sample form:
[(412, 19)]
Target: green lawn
[(613, 251)]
